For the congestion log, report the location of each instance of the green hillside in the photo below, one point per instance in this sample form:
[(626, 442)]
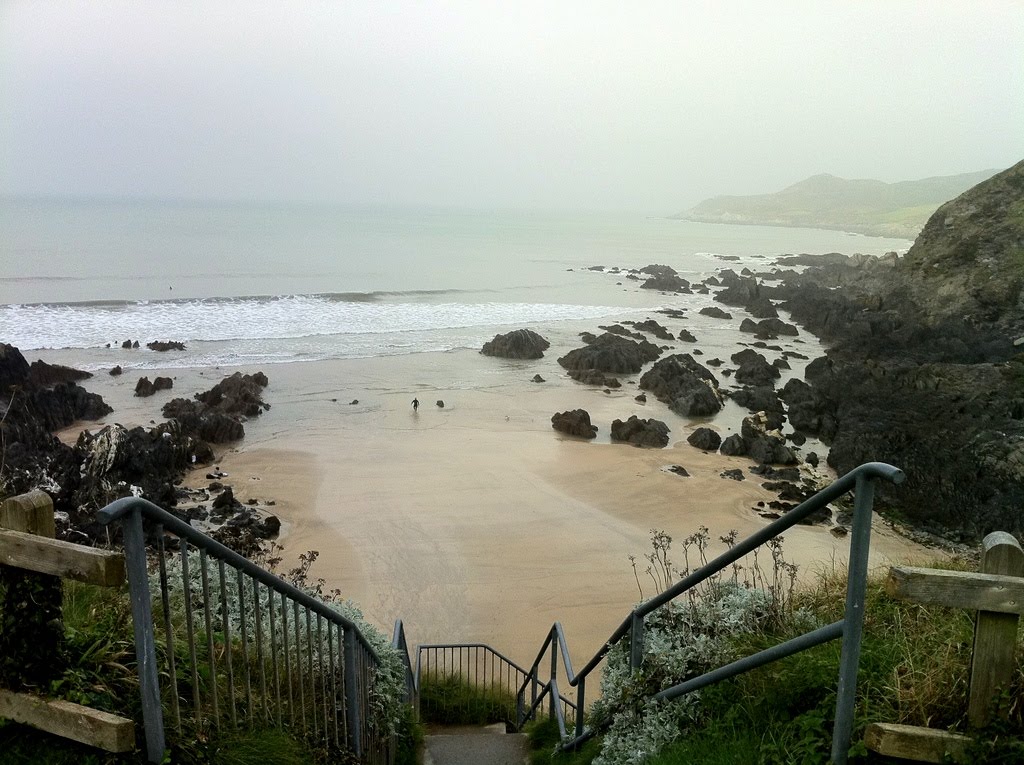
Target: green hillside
[(825, 201)]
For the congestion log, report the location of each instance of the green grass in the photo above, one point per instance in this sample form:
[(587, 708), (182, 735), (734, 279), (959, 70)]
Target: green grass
[(543, 737), (450, 700)]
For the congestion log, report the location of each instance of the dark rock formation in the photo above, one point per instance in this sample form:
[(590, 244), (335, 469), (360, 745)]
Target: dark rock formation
[(754, 368), (734, 446), (706, 439), (734, 473), (145, 388), (768, 328), (649, 433), (611, 353), (518, 344), (165, 345), (575, 422), (44, 375), (593, 377), (654, 328), (922, 371), (715, 312), (538, 379), (686, 336), (115, 371), (686, 386), (640, 398)]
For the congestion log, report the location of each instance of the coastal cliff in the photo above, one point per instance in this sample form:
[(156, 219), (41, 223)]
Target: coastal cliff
[(925, 367)]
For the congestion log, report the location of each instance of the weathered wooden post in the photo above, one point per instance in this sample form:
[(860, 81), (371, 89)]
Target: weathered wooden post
[(995, 634), (31, 628)]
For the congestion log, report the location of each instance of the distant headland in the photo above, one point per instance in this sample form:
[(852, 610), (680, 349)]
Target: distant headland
[(862, 206)]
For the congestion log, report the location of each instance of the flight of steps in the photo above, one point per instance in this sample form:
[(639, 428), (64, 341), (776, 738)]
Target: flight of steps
[(474, 745)]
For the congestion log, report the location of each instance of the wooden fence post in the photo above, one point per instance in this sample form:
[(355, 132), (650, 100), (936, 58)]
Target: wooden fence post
[(31, 627), (995, 634)]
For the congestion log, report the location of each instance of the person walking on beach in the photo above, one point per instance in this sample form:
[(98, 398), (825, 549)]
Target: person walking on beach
[(415, 404)]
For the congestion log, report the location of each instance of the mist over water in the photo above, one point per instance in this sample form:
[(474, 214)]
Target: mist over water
[(243, 284)]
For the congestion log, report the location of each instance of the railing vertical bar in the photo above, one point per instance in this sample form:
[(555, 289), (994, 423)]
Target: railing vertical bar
[(190, 631), (323, 676), (343, 662), (352, 711), (142, 627), (554, 672), (226, 626), (581, 704), (314, 713), (273, 663), (334, 682), (298, 664), (853, 619), (211, 658), (286, 660), (165, 602), (246, 663)]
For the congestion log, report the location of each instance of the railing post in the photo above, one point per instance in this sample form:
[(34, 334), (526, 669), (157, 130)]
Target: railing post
[(581, 700), (636, 642), (145, 647), (554, 673), (352, 695), (853, 619)]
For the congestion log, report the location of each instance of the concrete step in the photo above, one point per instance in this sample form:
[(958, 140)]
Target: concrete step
[(488, 745)]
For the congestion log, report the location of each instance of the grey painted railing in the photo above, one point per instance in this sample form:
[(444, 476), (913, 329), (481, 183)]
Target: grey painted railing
[(861, 481), (239, 645)]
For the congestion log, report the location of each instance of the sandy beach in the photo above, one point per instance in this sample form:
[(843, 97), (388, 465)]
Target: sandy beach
[(477, 521)]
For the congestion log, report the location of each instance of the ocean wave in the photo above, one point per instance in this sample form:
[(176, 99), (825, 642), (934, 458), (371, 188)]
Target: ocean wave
[(296, 317)]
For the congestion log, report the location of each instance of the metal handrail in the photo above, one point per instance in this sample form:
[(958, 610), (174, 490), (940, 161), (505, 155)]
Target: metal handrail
[(849, 628), (356, 656)]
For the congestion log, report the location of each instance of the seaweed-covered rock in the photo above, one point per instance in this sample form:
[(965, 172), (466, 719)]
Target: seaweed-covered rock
[(518, 344), (165, 345)]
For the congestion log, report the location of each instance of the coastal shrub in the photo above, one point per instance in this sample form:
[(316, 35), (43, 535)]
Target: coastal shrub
[(448, 699)]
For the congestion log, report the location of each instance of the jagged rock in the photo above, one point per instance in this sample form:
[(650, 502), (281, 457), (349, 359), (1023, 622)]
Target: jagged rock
[(593, 377), (686, 386), (611, 353), (812, 459), (706, 439), (538, 379), (678, 470), (687, 337), (760, 307), (518, 344), (226, 500), (126, 344), (146, 388), (734, 473), (45, 375), (716, 362), (754, 369), (618, 329), (575, 422), (652, 327), (734, 446), (715, 312), (667, 283), (115, 371), (165, 345), (440, 404), (650, 433), (640, 398)]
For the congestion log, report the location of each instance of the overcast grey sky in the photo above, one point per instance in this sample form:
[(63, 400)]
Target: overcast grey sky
[(645, 106)]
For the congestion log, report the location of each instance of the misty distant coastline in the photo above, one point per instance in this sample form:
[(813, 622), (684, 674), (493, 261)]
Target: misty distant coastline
[(858, 206)]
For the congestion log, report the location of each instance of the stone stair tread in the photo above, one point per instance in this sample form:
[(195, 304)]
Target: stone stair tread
[(475, 746)]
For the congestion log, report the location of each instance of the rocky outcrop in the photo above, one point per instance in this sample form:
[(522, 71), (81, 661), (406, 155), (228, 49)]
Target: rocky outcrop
[(686, 386), (145, 388), (715, 312), (705, 438), (922, 370), (575, 422), (754, 369), (518, 344), (44, 375), (165, 345), (648, 433), (768, 328), (611, 353), (654, 328), (593, 377)]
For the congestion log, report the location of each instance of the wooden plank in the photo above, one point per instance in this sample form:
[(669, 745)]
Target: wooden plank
[(63, 718), (64, 559), (958, 589), (995, 634), (31, 513), (911, 742)]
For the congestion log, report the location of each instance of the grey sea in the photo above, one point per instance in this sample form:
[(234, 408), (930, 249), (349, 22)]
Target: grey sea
[(260, 284)]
